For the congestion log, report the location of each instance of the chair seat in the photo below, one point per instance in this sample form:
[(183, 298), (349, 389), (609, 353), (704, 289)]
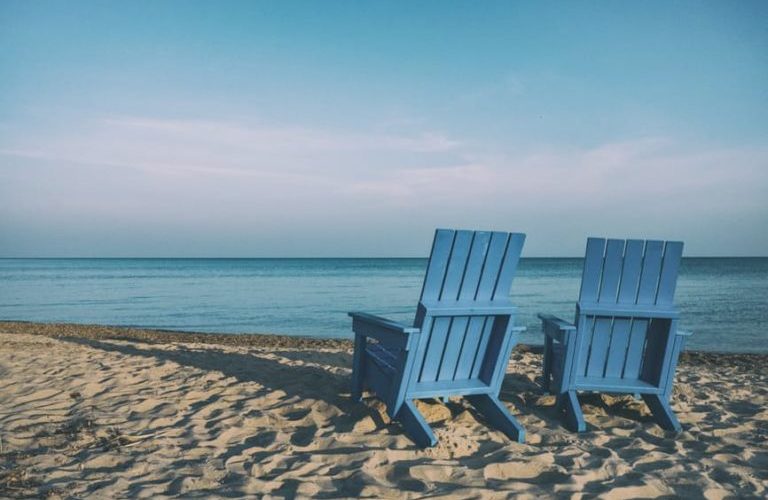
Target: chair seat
[(385, 358), (615, 384)]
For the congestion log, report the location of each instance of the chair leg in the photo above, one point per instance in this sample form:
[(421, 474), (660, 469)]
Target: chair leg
[(357, 368), (497, 415), (574, 418), (547, 368), (415, 426), (662, 412)]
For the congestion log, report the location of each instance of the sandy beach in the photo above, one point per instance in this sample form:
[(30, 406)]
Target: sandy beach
[(104, 412)]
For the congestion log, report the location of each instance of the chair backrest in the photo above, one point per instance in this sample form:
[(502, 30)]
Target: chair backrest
[(626, 309), (465, 267)]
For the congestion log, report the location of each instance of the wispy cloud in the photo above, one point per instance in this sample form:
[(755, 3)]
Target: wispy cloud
[(129, 168), (227, 148), (405, 168), (271, 138)]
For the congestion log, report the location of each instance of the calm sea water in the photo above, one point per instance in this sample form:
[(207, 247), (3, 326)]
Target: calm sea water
[(723, 300)]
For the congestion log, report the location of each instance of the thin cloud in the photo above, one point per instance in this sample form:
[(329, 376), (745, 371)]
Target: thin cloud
[(424, 167), (271, 138), (245, 178)]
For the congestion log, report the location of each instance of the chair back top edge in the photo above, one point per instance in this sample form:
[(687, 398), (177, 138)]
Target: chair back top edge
[(467, 266), (631, 273)]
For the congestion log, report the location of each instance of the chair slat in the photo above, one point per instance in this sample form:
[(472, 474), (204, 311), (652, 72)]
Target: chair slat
[(438, 263), (635, 349), (599, 348), (673, 252), (509, 265), (477, 258), (614, 365), (494, 260), (470, 347), (434, 351), (649, 279), (457, 263), (456, 335), (387, 359), (593, 265), (482, 347), (630, 274), (614, 252)]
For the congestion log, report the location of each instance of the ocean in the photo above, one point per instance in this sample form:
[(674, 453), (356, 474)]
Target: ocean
[(724, 301)]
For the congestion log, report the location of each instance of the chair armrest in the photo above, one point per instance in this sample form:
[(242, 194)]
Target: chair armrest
[(389, 333), (556, 328), (683, 333), (372, 319)]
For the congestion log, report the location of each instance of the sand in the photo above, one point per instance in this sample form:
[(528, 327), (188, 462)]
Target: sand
[(85, 414)]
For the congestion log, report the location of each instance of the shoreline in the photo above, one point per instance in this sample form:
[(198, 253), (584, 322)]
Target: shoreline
[(270, 340)]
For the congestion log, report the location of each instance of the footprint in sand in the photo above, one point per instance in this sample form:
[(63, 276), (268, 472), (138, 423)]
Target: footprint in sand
[(511, 470), (297, 414), (303, 436), (263, 439)]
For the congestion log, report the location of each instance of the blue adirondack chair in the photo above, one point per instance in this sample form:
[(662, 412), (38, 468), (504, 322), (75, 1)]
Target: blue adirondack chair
[(624, 338), (460, 341)]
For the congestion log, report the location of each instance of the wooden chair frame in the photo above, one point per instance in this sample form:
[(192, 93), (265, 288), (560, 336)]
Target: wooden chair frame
[(461, 340), (625, 336)]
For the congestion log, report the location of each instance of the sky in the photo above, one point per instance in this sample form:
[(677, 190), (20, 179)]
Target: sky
[(354, 129)]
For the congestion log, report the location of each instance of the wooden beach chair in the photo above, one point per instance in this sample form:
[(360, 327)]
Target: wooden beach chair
[(624, 338), (460, 341)]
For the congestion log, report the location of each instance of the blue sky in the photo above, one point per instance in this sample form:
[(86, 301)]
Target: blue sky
[(356, 128)]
